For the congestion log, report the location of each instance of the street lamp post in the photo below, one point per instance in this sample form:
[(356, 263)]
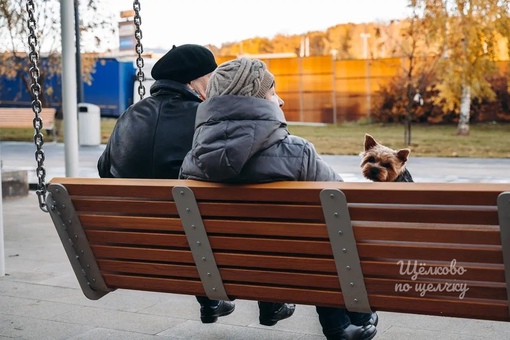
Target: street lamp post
[(334, 54), (79, 82), (2, 251), (365, 37)]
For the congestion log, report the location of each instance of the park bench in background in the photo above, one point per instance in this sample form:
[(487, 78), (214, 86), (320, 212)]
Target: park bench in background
[(425, 248), (24, 118)]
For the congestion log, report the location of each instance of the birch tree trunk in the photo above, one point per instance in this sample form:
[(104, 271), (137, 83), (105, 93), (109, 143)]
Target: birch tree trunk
[(465, 106)]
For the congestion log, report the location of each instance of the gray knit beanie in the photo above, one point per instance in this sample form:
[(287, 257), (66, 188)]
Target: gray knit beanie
[(242, 77)]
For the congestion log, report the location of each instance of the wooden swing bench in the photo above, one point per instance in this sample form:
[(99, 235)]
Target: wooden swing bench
[(21, 117), (424, 248)]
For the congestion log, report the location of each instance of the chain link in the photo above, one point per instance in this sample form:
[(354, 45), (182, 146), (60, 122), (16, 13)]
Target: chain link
[(139, 49), (35, 90)]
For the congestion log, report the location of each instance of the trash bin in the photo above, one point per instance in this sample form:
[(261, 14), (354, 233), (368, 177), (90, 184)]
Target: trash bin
[(89, 124)]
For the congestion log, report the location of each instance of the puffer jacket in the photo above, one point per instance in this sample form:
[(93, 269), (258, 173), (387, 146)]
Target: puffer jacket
[(244, 140), (151, 138)]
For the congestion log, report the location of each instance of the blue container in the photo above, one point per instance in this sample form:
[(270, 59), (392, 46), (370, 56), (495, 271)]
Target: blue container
[(111, 88)]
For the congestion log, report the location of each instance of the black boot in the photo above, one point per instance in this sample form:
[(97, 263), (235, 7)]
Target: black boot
[(210, 314), (354, 332), (374, 320), (271, 313)]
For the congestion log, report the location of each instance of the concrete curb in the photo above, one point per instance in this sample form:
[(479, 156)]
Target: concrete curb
[(14, 183)]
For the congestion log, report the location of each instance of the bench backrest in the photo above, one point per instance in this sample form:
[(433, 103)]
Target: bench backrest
[(24, 117), (419, 247)]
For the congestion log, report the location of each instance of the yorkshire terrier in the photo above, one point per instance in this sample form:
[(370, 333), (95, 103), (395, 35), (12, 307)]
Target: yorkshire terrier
[(382, 164)]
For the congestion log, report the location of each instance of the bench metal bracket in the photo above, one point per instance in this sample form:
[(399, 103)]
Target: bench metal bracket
[(345, 253), (199, 243), (75, 242), (504, 225)]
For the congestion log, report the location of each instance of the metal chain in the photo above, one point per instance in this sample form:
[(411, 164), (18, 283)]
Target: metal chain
[(139, 49), (35, 90)]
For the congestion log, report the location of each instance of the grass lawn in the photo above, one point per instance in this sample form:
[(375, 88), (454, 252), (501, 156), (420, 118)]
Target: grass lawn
[(484, 141)]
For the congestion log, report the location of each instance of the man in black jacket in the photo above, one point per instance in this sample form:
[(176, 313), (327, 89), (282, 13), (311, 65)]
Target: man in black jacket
[(151, 138)]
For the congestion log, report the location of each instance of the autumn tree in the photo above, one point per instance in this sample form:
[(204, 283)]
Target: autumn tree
[(468, 31), (401, 98), (339, 40), (96, 30), (318, 43), (286, 43), (346, 43), (419, 60)]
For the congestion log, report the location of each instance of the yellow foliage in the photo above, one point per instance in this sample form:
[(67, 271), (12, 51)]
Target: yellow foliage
[(470, 32)]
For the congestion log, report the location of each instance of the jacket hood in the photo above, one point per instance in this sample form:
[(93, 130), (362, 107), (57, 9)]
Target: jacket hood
[(230, 130)]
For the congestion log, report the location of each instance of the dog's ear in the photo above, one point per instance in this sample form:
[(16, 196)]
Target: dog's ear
[(370, 142), (403, 154)]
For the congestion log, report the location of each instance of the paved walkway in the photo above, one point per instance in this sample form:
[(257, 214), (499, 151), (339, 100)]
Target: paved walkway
[(20, 155), (40, 297)]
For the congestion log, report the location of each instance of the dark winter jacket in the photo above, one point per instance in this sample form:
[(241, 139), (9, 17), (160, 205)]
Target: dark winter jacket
[(245, 140), (151, 137)]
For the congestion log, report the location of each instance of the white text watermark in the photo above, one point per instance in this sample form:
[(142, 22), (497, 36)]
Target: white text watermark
[(416, 269)]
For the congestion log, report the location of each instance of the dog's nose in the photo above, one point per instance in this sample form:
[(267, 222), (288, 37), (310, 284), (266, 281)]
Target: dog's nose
[(374, 171)]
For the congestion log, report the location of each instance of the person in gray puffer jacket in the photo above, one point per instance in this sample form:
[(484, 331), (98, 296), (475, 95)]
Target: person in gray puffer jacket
[(244, 139), (241, 136)]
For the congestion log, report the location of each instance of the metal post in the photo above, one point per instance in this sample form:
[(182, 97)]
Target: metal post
[(369, 99), (79, 82), (2, 252), (69, 101), (333, 76), (301, 100), (365, 37)]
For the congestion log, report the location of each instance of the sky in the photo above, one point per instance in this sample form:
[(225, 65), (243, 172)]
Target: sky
[(167, 22)]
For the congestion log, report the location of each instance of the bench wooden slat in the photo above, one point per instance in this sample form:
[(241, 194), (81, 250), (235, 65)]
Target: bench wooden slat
[(478, 290), (430, 252), (131, 238), (147, 254), (382, 231), (424, 252), (301, 192), (379, 268), (132, 207), (309, 213)]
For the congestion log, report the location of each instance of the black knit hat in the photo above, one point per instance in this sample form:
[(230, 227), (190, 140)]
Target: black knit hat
[(184, 64)]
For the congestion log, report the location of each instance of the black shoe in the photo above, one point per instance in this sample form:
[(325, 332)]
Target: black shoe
[(354, 332), (374, 320), (270, 318), (211, 314)]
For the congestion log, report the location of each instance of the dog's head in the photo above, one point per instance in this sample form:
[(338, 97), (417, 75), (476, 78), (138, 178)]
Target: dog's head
[(380, 163)]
